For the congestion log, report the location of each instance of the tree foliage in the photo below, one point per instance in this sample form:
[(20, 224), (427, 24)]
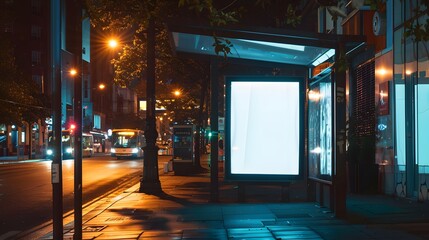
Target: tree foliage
[(414, 27), (171, 71)]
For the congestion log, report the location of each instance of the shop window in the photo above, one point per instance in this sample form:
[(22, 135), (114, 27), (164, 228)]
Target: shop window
[(422, 109), (362, 115), (399, 98), (398, 13), (410, 7)]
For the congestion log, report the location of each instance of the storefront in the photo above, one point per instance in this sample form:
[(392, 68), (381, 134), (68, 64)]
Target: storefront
[(403, 124)]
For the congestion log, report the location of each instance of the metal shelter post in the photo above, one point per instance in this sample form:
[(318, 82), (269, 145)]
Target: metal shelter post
[(214, 115), (339, 177)]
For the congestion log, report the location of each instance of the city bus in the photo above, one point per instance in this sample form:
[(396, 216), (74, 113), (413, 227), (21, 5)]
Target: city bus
[(67, 143), (127, 143), (99, 141)]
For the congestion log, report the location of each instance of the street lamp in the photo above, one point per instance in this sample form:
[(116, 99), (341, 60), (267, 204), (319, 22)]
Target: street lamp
[(113, 43), (177, 93), (73, 72), (111, 48), (101, 87)]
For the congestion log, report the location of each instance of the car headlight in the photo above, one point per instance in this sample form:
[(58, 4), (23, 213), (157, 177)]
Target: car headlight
[(69, 150), (135, 150), (49, 152)]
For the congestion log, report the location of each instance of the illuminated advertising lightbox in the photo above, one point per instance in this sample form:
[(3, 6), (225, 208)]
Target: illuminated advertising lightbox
[(264, 135)]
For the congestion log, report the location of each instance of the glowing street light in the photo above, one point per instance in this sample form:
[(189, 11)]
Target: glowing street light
[(101, 86), (177, 93), (113, 43), (73, 72)]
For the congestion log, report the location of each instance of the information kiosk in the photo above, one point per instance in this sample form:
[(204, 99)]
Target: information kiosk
[(183, 149)]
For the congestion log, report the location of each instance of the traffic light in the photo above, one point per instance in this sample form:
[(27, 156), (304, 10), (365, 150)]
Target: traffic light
[(72, 127)]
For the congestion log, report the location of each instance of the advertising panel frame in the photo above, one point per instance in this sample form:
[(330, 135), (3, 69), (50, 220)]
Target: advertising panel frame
[(231, 173)]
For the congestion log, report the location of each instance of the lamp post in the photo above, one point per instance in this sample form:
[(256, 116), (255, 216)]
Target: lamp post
[(101, 87), (112, 48), (56, 166), (78, 153), (77, 51)]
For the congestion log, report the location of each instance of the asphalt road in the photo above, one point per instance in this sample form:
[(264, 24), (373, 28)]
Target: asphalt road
[(26, 188)]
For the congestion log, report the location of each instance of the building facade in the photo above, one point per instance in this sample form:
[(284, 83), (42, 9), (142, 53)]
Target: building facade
[(35, 32), (387, 99), (26, 25)]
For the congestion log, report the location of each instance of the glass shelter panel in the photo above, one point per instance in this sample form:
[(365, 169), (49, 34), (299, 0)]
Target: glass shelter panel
[(320, 130)]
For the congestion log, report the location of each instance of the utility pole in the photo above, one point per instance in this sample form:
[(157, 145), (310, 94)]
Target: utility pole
[(150, 181), (56, 167), (77, 52)]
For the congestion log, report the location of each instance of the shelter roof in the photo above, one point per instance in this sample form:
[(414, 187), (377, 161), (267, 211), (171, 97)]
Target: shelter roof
[(267, 45)]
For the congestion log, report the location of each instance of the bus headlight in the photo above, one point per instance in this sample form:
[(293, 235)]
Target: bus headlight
[(135, 150), (69, 150), (49, 152), (112, 150)]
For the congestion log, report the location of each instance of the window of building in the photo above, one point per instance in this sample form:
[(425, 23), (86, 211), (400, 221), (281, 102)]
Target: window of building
[(36, 57), (36, 32), (97, 121), (37, 79), (7, 27), (398, 13), (36, 7), (421, 92), (410, 6), (399, 111)]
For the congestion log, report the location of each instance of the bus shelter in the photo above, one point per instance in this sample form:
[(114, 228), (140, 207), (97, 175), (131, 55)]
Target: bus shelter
[(283, 90)]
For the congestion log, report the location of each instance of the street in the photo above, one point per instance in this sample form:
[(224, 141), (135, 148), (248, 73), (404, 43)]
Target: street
[(26, 189)]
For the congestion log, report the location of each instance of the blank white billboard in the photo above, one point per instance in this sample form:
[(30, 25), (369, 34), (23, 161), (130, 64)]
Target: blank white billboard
[(264, 127)]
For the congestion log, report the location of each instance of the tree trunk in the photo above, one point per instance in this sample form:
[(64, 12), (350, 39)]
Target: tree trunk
[(150, 181)]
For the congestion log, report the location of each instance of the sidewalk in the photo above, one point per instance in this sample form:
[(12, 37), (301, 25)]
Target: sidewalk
[(21, 158), (183, 211)]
